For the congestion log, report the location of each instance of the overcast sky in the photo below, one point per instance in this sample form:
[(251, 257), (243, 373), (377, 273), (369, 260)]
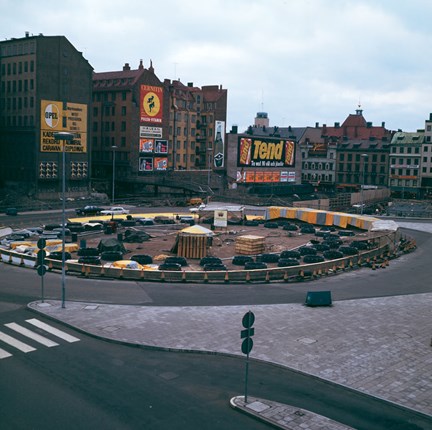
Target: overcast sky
[(302, 61)]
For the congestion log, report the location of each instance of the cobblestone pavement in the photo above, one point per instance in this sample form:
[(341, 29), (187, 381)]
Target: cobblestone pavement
[(380, 346)]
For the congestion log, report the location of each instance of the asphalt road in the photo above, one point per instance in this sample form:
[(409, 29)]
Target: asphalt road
[(95, 384)]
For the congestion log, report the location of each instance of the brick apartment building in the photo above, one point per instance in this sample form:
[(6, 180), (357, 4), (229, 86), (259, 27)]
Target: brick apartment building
[(45, 86)]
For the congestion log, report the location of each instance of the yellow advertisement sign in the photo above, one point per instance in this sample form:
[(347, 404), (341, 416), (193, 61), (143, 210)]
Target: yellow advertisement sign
[(72, 119)]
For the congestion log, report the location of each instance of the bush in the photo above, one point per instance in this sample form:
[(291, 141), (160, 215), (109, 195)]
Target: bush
[(241, 260), (255, 265), (271, 225), (286, 262), (267, 258), (176, 260), (310, 259), (348, 250), (332, 255), (215, 267), (290, 227), (307, 250), (142, 259), (307, 229), (112, 255), (210, 260), (290, 254), (359, 245), (346, 233), (87, 252), (322, 247), (251, 223)]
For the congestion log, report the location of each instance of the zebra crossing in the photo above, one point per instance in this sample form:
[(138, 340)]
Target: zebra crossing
[(25, 332)]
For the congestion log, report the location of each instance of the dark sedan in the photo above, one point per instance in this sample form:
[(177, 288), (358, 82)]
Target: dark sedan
[(89, 210)]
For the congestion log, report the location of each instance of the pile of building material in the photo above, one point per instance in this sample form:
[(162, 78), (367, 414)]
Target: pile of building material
[(250, 245)]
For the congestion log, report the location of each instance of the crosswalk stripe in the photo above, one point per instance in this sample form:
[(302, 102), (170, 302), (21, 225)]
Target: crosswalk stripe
[(56, 332), (4, 354), (32, 335), (16, 343)]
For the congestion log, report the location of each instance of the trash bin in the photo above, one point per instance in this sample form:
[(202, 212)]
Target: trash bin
[(74, 237)]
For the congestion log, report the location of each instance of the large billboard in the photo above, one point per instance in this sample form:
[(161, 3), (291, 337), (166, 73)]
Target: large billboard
[(265, 152), (151, 103), (71, 118), (219, 145)]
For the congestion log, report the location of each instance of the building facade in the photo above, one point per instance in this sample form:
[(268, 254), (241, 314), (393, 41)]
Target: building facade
[(405, 163), (45, 87)]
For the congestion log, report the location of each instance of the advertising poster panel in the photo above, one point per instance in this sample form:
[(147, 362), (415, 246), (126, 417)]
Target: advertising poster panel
[(219, 145), (147, 131), (265, 152), (145, 164), (151, 103), (53, 118), (146, 145), (161, 146), (160, 163), (220, 218)]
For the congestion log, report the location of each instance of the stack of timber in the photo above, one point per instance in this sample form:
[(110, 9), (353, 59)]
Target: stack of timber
[(250, 245), (192, 246)]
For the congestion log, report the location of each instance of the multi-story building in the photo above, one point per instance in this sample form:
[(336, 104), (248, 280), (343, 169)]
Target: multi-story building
[(406, 150), (129, 135), (196, 114), (318, 155), (45, 88), (144, 128), (264, 157), (426, 160), (362, 152)]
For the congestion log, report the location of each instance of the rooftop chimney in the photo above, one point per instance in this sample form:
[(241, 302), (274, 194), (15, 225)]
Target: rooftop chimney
[(140, 67), (126, 67)]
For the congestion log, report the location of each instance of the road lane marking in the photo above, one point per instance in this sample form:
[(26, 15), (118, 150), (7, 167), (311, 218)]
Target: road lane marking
[(32, 335), (4, 354), (56, 332), (16, 343)]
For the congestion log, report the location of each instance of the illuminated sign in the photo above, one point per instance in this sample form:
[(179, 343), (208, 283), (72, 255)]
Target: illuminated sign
[(146, 145), (265, 152), (55, 118), (160, 163), (151, 103)]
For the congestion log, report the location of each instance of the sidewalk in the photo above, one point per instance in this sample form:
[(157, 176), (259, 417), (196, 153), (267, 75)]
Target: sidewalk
[(379, 346)]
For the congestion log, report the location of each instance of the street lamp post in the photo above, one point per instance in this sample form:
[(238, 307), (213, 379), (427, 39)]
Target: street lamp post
[(365, 157), (113, 174), (65, 137)]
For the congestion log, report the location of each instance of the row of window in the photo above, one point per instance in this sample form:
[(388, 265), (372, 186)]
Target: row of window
[(407, 150), (357, 157), (19, 85), (317, 166), (14, 103), (17, 68), (17, 121), (317, 177)]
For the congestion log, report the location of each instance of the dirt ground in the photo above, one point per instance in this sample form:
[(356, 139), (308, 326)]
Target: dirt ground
[(163, 238)]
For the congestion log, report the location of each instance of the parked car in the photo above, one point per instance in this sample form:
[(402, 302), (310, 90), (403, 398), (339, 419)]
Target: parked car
[(115, 210), (94, 260), (176, 260), (145, 221), (89, 210)]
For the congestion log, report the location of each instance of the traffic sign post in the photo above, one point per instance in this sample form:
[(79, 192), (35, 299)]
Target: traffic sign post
[(247, 344), (40, 261)]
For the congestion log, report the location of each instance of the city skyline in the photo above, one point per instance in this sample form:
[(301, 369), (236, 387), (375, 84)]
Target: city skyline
[(302, 62)]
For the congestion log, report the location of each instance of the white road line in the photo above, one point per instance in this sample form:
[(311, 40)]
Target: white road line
[(32, 335), (16, 343), (56, 332), (4, 354)]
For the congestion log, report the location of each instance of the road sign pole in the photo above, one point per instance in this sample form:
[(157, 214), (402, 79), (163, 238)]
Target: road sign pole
[(246, 378), (247, 344)]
